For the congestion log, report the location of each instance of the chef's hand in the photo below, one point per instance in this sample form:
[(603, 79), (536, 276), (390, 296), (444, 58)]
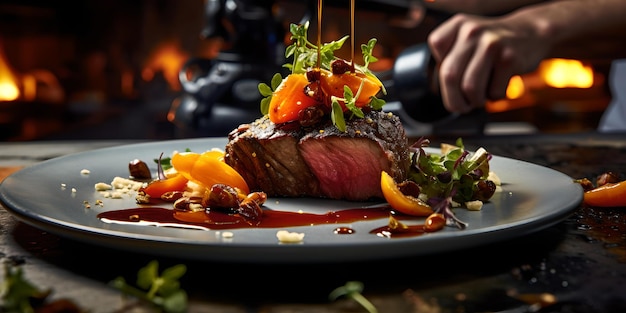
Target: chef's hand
[(478, 55)]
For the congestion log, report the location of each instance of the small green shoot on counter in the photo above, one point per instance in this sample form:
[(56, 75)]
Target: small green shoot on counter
[(163, 291), (17, 292), (353, 290)]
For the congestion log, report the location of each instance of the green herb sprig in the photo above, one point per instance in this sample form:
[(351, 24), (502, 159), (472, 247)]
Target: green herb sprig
[(304, 56), (164, 291), (353, 290), (450, 177), (17, 292), (268, 91)]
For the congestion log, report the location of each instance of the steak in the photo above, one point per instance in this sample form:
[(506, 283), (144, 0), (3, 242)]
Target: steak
[(292, 161)]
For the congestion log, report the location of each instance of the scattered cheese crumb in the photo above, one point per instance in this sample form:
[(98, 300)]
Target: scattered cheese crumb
[(475, 205), (115, 195), (102, 186), (227, 234), (73, 190), (85, 172), (289, 237), (121, 183)]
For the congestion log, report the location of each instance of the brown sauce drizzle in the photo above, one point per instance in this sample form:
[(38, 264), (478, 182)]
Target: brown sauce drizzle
[(216, 220)]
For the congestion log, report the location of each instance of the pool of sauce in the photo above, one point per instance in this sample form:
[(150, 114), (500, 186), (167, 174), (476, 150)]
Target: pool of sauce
[(218, 220)]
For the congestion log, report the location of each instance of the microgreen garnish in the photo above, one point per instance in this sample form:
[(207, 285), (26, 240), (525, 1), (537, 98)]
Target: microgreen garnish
[(162, 291), (353, 290), (450, 177), (267, 91), (304, 52), (304, 55), (349, 101)]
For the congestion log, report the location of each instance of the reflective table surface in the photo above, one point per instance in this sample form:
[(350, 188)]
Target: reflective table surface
[(577, 265)]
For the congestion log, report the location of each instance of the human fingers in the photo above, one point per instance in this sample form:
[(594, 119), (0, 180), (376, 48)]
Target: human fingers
[(450, 72), (501, 75), (442, 38), (491, 67), (455, 84)]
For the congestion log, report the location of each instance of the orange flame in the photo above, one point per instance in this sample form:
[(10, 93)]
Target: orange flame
[(564, 73), (9, 90), (167, 58)]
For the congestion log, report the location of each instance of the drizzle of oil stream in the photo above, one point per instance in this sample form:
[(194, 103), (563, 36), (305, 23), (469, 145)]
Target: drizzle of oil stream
[(319, 33), (352, 35)]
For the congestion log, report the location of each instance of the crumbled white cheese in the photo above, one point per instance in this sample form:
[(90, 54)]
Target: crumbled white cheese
[(85, 172), (475, 205), (115, 195), (121, 183), (289, 237), (227, 234), (102, 186)]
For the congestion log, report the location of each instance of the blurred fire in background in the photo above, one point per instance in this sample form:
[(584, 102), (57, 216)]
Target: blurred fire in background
[(110, 69)]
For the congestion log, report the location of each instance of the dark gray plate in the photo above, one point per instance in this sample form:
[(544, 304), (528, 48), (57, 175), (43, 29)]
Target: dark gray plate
[(532, 198)]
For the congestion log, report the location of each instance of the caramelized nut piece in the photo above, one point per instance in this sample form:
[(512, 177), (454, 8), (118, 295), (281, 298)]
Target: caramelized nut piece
[(435, 222), (186, 203), (221, 196), (607, 178), (258, 196), (251, 211), (341, 67), (171, 196), (142, 197), (139, 169)]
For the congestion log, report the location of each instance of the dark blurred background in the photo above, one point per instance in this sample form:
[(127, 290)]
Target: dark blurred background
[(167, 69)]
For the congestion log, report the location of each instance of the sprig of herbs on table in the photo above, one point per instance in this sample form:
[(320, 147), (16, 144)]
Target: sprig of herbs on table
[(17, 292), (161, 291), (353, 290)]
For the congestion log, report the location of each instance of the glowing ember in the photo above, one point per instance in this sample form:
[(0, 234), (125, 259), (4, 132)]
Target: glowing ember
[(515, 89), (563, 73), (167, 58), (8, 86)]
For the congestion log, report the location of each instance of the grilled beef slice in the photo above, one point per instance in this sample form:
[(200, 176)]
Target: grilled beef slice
[(322, 162)]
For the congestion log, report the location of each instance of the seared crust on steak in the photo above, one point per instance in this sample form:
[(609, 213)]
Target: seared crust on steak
[(286, 161), (269, 160)]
